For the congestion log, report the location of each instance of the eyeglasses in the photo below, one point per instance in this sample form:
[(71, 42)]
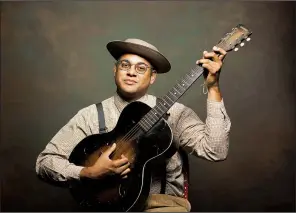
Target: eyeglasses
[(140, 67)]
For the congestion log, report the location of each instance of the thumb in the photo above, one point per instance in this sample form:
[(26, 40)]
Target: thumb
[(111, 149)]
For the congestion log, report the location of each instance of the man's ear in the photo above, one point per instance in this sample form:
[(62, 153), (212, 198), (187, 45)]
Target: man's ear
[(153, 77), (114, 70)]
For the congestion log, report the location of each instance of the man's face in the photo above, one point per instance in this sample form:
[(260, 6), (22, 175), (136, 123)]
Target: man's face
[(130, 76)]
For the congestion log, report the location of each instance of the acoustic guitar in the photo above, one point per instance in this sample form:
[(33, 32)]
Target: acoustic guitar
[(143, 135)]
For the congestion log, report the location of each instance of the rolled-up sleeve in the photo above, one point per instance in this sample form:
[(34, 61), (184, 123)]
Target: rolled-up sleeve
[(209, 140), (52, 163)]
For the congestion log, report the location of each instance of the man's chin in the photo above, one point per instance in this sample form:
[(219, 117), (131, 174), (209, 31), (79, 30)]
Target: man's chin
[(129, 93)]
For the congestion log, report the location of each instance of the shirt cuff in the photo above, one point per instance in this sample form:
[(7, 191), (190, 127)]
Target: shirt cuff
[(215, 109), (75, 171)]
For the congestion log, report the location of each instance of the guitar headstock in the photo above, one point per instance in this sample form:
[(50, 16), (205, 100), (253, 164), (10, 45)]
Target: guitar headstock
[(235, 38)]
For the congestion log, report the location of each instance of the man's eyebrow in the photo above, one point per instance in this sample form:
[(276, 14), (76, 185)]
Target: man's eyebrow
[(125, 59)]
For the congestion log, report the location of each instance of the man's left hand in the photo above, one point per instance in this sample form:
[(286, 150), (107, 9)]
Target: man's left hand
[(212, 62)]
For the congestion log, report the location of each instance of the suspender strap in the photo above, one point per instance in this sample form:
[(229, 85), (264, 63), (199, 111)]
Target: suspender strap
[(101, 118)]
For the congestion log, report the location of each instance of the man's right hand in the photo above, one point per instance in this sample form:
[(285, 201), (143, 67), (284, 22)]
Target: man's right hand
[(105, 166)]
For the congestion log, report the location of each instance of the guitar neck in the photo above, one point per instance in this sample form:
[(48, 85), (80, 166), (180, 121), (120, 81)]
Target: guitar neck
[(170, 98)]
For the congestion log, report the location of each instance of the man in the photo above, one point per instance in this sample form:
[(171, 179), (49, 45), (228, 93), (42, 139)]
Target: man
[(137, 66)]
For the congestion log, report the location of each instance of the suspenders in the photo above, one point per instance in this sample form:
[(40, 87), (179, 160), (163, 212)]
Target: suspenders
[(102, 124)]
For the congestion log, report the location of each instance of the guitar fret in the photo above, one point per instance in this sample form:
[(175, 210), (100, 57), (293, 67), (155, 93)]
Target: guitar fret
[(192, 72), (161, 105), (190, 76), (142, 125), (170, 100), (183, 85), (149, 119), (152, 117), (171, 97), (176, 90), (187, 78), (166, 104), (172, 94), (156, 114), (142, 121), (187, 81), (184, 81), (179, 86)]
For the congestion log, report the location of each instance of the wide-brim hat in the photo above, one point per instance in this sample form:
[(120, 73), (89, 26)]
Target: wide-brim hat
[(143, 49)]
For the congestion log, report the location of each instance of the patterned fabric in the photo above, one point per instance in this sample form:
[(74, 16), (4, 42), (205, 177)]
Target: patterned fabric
[(207, 140)]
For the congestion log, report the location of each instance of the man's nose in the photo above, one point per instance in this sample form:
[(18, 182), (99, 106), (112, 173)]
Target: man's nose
[(132, 70)]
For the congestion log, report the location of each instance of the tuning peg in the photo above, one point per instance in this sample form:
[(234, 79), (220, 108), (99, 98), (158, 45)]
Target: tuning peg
[(248, 39), (242, 44), (235, 49)]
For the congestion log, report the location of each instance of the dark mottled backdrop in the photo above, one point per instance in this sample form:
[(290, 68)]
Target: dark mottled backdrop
[(54, 62)]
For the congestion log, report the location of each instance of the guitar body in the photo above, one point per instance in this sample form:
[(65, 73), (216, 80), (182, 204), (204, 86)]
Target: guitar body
[(113, 193)]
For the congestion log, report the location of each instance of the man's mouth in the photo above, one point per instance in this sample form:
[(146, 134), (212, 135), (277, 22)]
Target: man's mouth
[(130, 82)]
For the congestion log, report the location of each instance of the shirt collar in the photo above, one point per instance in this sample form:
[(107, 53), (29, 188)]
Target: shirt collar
[(121, 103)]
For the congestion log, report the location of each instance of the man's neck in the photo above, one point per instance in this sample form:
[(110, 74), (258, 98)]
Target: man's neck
[(129, 98)]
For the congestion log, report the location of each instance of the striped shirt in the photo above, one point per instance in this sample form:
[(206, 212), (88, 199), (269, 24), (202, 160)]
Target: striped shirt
[(208, 140)]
